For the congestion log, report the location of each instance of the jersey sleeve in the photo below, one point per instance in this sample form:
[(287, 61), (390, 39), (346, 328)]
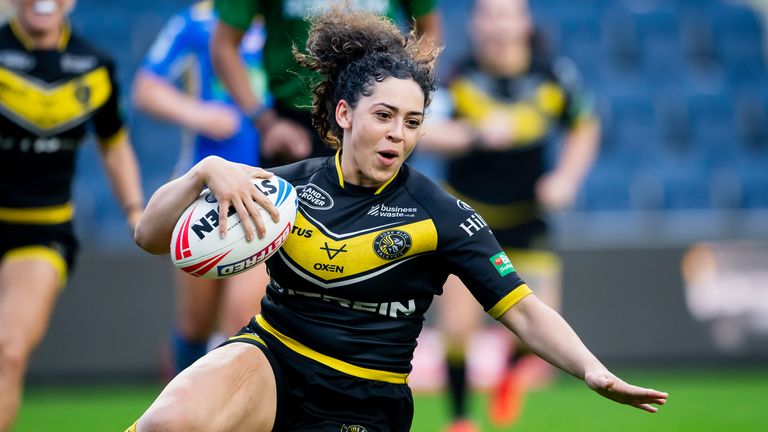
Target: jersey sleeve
[(107, 120), (474, 255), (580, 105), (418, 8), (237, 13), (169, 48)]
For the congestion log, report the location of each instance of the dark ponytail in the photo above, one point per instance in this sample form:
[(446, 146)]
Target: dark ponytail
[(352, 51)]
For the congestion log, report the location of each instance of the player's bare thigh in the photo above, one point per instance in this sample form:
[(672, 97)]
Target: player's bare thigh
[(197, 305), (231, 388), (459, 314), (28, 290)]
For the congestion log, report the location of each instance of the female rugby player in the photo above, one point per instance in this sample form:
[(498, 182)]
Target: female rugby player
[(374, 241)]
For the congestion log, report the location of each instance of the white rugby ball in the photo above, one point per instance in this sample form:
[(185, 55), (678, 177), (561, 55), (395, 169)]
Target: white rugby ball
[(198, 249)]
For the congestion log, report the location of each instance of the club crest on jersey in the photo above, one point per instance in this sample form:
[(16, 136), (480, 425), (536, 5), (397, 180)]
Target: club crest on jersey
[(392, 244), (314, 197), (353, 428)]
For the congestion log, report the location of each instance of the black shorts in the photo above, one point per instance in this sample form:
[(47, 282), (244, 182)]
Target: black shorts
[(314, 397), (58, 237)]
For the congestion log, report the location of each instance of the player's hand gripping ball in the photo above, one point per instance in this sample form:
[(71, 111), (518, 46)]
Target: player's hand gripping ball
[(198, 249)]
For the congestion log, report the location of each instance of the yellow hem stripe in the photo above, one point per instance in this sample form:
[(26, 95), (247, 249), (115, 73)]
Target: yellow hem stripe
[(341, 366), (43, 253), (249, 336), (132, 428), (38, 215), (338, 168), (509, 300), (118, 137)]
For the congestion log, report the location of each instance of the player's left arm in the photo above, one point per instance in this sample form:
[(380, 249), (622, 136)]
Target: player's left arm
[(117, 154), (123, 172), (548, 335), (558, 188)]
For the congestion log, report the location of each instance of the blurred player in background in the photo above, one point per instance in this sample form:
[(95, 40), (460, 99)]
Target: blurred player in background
[(286, 128), (507, 102), (55, 87), (179, 56)]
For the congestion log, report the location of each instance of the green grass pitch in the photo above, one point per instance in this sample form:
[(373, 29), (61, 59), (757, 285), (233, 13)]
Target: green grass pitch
[(700, 401)]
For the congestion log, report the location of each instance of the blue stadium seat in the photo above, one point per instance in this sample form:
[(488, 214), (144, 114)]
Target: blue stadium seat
[(751, 112), (686, 189), (632, 126), (672, 120), (699, 46), (754, 189), (619, 40), (607, 187), (712, 121)]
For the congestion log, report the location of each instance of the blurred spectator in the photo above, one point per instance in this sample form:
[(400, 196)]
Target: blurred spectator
[(287, 129), (180, 55), (55, 87), (6, 10), (507, 103)]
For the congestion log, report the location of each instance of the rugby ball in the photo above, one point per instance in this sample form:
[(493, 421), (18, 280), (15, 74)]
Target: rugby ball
[(198, 249)]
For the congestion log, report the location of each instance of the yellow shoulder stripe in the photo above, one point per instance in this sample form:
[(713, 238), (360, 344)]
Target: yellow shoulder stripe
[(49, 108), (332, 258)]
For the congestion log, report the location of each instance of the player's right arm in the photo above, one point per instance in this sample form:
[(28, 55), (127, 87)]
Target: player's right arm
[(159, 98), (231, 184), (234, 19), (473, 254)]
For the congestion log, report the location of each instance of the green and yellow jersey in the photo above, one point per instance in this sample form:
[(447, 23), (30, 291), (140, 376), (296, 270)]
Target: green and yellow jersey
[(286, 26)]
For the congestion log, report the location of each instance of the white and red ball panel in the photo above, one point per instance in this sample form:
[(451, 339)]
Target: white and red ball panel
[(198, 249)]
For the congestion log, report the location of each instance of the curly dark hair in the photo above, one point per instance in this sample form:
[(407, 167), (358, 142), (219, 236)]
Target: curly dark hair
[(354, 50)]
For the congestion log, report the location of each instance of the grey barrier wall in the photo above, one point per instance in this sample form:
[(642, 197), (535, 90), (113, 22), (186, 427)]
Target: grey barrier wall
[(629, 306), (112, 320)]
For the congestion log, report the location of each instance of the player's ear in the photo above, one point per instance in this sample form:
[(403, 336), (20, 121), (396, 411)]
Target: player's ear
[(344, 114)]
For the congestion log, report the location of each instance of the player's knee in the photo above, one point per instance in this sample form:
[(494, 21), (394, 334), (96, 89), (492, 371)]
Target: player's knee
[(13, 357), (167, 420), (196, 328)]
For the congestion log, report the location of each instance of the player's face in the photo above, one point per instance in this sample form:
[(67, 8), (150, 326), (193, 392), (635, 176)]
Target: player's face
[(497, 24), (43, 16), (381, 131)]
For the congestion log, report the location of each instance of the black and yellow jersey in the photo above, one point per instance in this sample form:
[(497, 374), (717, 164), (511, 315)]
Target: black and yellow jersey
[(351, 285), (49, 99), (539, 103)]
